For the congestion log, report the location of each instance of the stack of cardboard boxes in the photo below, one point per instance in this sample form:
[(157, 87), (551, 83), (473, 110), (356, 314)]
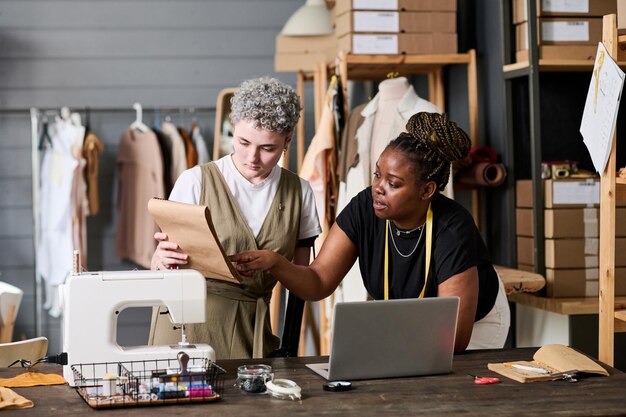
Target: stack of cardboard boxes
[(571, 231), (392, 27), (295, 53), (567, 30)]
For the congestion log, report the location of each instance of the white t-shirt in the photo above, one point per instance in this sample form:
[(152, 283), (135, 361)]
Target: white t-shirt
[(254, 200)]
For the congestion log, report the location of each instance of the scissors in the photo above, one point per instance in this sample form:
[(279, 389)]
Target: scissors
[(484, 380)]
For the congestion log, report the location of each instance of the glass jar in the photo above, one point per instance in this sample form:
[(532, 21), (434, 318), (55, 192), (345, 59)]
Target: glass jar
[(252, 378)]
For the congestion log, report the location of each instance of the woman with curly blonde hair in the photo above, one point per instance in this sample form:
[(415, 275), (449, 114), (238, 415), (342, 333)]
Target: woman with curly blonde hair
[(393, 223), (255, 204)]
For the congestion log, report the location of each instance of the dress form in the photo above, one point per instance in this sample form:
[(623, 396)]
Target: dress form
[(390, 92)]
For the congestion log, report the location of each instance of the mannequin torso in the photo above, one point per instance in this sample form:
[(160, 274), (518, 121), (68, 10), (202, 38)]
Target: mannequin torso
[(390, 92)]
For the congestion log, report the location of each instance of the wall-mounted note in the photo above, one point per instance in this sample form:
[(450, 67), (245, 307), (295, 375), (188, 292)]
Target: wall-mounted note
[(190, 226)]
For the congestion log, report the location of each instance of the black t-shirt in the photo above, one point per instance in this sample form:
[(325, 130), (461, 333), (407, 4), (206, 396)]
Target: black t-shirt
[(456, 247)]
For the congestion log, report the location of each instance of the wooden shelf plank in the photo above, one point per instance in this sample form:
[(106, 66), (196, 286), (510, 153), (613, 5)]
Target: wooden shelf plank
[(620, 321), (560, 65), (369, 67), (569, 306)]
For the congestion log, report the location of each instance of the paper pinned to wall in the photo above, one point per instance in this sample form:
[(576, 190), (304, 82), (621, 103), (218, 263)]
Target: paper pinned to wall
[(601, 107)]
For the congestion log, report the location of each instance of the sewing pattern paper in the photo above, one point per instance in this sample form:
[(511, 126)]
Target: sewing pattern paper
[(601, 107)]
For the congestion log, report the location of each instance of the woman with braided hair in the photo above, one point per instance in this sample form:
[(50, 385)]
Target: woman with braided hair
[(391, 222)]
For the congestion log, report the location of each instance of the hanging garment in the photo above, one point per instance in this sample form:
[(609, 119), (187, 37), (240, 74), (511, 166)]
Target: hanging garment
[(92, 148), (55, 246), (80, 209), (318, 166), (177, 146), (358, 170), (190, 149), (198, 141), (165, 146), (140, 173)]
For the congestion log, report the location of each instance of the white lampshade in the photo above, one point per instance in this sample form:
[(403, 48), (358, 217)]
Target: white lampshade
[(309, 20)]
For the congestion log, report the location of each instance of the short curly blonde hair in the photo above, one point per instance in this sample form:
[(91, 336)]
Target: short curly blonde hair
[(269, 103)]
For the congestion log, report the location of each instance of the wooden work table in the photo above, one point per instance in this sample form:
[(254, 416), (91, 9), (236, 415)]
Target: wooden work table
[(442, 395)]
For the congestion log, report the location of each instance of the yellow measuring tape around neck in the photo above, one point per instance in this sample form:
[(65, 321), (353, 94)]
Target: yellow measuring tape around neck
[(429, 241)]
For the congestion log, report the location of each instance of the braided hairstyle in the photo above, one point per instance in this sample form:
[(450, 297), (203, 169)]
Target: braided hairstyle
[(431, 143)]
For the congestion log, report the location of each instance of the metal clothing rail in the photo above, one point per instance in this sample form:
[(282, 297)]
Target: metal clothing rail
[(36, 114), (182, 109)]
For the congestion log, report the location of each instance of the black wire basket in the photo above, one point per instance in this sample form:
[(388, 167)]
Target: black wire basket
[(149, 383)]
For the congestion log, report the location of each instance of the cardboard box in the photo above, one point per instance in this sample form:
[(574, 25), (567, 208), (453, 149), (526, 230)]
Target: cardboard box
[(568, 223), (524, 267), (561, 31), (402, 43), (566, 283), (343, 6), (569, 253), (296, 62), (564, 193), (559, 223), (294, 53), (562, 52), (577, 8), (621, 17), (525, 251), (580, 282), (395, 22)]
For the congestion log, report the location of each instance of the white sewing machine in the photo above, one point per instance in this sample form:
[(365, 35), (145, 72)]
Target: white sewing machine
[(92, 302)]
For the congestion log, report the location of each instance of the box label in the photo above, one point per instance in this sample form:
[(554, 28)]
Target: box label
[(591, 246), (572, 192), (590, 221), (374, 44), (376, 21), (375, 4), (565, 6), (565, 31)]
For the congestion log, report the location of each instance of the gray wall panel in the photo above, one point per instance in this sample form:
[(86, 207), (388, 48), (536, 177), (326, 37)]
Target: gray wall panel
[(16, 192), (16, 222), (16, 252), (132, 44), (123, 95), (155, 73), (14, 128), (147, 14), (15, 163)]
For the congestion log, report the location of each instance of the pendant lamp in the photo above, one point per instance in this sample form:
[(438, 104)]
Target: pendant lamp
[(312, 19)]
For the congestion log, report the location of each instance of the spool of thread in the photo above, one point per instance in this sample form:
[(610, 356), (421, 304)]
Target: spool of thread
[(109, 385), (76, 262)]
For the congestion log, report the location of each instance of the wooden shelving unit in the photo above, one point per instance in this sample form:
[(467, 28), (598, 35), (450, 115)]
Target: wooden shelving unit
[(611, 188), (377, 67)]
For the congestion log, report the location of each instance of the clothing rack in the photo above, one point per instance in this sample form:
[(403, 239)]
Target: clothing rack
[(99, 109), (36, 116)]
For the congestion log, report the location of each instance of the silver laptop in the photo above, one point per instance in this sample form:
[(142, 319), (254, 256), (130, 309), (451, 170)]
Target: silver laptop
[(395, 338)]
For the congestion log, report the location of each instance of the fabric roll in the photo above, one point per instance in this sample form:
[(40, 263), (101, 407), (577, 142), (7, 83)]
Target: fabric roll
[(484, 174)]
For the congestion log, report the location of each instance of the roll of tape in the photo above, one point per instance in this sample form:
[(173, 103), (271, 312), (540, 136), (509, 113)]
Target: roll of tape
[(284, 389)]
